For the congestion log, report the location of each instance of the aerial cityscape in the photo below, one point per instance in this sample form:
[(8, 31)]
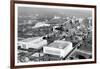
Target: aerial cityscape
[(49, 34)]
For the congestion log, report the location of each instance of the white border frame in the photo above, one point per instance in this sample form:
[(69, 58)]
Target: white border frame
[(46, 6)]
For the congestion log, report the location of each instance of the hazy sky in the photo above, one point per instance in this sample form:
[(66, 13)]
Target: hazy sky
[(52, 11)]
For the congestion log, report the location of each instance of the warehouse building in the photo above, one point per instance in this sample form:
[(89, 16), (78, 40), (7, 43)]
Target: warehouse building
[(59, 47), (36, 43)]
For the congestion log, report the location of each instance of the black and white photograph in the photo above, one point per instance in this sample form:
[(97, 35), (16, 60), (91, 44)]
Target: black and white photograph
[(46, 34)]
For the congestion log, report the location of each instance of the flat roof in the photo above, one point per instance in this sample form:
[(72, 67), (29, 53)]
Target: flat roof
[(30, 39), (60, 45)]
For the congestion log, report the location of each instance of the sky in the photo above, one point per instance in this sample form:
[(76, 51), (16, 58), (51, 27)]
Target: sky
[(53, 11)]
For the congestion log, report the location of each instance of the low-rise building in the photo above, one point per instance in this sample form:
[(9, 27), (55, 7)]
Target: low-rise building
[(59, 47), (36, 43)]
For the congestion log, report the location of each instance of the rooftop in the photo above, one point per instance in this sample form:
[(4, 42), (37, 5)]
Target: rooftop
[(30, 39), (59, 44)]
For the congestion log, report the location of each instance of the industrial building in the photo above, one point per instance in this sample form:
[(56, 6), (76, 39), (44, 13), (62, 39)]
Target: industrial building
[(36, 43), (59, 47)]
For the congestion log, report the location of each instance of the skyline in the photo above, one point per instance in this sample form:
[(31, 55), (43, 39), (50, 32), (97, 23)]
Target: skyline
[(27, 11)]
